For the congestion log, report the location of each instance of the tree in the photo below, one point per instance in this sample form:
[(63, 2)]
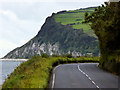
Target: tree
[(105, 21)]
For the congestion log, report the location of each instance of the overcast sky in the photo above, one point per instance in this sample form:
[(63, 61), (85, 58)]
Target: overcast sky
[(20, 20)]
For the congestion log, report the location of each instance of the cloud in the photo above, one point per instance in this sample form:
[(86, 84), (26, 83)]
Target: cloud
[(22, 41), (12, 26), (9, 14), (15, 32), (33, 1), (6, 46)]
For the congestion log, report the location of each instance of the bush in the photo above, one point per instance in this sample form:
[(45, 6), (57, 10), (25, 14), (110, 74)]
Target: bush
[(44, 55), (68, 55), (55, 55)]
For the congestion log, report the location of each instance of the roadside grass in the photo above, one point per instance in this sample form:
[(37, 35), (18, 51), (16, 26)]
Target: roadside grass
[(35, 73)]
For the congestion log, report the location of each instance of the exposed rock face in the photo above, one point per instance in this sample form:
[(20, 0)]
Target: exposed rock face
[(54, 38), (34, 48)]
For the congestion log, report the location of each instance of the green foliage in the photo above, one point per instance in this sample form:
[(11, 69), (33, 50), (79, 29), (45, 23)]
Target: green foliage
[(105, 21), (44, 55), (68, 55), (55, 55), (35, 73)]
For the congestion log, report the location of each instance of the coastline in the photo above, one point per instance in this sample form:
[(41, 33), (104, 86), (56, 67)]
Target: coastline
[(13, 59), (9, 61)]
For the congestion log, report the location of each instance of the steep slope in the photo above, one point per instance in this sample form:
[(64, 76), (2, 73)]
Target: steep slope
[(55, 37)]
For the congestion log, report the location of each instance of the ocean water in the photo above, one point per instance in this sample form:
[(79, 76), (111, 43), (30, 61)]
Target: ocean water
[(6, 68)]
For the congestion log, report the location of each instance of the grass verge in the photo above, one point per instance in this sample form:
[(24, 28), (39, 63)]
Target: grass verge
[(35, 73)]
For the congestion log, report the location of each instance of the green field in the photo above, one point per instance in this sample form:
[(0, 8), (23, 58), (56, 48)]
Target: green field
[(35, 73), (74, 18)]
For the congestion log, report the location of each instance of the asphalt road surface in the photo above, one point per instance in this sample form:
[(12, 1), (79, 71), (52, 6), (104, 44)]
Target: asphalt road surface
[(83, 75)]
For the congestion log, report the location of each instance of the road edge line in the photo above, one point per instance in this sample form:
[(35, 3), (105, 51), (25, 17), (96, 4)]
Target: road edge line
[(53, 81)]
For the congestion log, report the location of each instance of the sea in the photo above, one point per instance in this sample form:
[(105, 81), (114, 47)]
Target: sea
[(7, 67)]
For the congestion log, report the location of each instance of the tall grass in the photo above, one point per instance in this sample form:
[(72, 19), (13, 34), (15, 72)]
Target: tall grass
[(35, 73)]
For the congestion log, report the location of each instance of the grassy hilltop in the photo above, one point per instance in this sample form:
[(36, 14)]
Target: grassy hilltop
[(75, 18)]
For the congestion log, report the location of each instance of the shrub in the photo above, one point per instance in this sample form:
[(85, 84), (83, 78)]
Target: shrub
[(44, 55), (68, 55)]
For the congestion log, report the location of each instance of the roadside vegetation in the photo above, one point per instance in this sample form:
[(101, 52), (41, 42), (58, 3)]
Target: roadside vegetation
[(35, 73), (105, 21)]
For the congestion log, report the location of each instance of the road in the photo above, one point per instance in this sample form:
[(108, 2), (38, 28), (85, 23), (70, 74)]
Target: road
[(83, 75)]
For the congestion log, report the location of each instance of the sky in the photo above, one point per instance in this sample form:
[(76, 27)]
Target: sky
[(20, 20)]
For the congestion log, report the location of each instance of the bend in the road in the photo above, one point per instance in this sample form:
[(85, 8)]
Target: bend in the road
[(82, 75)]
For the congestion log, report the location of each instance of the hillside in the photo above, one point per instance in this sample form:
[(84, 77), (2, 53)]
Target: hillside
[(74, 18), (61, 33)]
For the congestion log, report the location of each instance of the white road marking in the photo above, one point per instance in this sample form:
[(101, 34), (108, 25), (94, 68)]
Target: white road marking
[(83, 73), (53, 81), (97, 86), (87, 77), (93, 82)]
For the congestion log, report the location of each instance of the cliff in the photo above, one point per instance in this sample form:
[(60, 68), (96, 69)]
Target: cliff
[(55, 37)]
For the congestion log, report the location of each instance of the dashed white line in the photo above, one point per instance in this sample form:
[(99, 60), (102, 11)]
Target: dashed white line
[(87, 77), (93, 82), (97, 86), (83, 72)]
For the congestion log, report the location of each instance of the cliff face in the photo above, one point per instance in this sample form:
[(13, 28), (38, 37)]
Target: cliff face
[(55, 38)]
